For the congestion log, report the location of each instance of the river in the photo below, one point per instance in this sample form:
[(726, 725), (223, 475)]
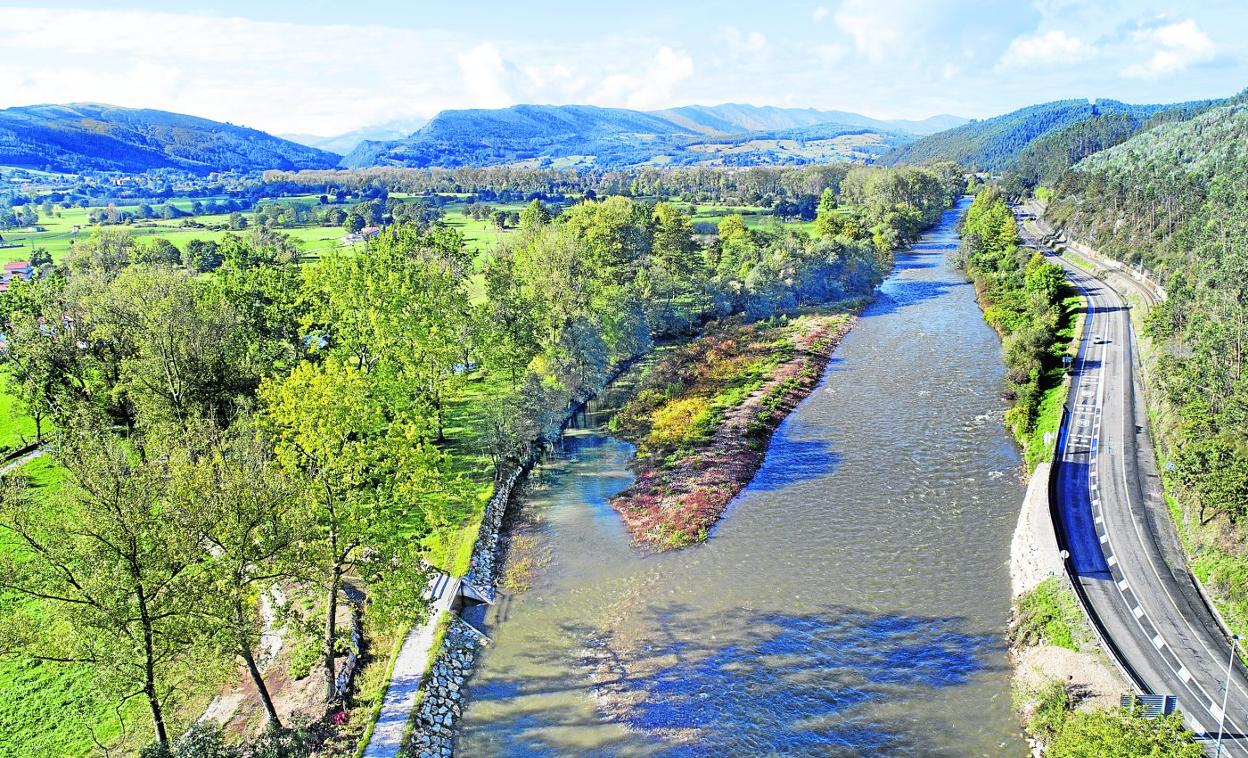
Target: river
[(853, 599)]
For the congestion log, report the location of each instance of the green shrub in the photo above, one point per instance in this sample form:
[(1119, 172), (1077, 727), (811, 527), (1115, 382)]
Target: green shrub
[(306, 655), (1052, 705), (1048, 614), (1120, 732)]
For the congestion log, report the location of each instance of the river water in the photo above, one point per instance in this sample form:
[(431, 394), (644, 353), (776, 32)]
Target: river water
[(852, 601)]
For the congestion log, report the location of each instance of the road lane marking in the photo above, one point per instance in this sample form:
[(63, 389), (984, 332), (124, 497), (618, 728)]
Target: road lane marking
[(1112, 560)]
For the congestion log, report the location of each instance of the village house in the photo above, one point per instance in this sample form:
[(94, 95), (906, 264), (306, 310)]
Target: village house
[(15, 270)]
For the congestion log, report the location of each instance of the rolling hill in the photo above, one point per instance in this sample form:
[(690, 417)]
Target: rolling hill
[(91, 136), (994, 144), (582, 135)]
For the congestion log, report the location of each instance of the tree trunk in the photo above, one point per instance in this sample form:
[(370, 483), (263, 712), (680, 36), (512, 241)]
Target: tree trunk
[(254, 670), (158, 717), (149, 671), (245, 652), (331, 628)]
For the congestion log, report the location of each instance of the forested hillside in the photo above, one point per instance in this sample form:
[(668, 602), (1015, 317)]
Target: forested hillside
[(1174, 199), (994, 144), (88, 136), (587, 136)]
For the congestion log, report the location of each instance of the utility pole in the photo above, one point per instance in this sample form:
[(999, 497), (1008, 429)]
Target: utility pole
[(1226, 690)]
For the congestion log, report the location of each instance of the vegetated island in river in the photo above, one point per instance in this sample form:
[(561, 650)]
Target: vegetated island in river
[(705, 411)]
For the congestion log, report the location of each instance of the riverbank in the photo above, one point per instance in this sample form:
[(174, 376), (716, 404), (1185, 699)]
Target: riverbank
[(705, 412), (1058, 667)]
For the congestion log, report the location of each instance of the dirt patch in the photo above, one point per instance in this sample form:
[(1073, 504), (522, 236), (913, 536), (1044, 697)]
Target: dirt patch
[(1090, 679)]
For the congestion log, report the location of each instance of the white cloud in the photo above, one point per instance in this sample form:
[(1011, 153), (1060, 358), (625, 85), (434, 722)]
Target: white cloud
[(1175, 47), (819, 14), (751, 44), (485, 76), (1054, 47), (653, 88), (872, 25)]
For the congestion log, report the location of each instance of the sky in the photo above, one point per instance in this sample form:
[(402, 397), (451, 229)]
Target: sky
[(324, 67)]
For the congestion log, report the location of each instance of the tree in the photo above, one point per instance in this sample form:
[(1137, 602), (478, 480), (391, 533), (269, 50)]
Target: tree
[(181, 350), (117, 574), (395, 312), (250, 516), (534, 214), (202, 256), (237, 221), (827, 219), (353, 223), (107, 251), (373, 479), (39, 258), (159, 251)]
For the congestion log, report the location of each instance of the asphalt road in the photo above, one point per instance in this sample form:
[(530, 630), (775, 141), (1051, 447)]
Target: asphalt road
[(1124, 552)]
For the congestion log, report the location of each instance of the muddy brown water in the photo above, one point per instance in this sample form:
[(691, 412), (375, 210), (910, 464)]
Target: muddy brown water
[(852, 601)]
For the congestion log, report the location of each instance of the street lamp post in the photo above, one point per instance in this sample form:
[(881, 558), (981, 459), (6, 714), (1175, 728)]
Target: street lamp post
[(1226, 690)]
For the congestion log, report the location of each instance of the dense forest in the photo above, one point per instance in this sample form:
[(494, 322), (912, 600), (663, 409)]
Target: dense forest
[(994, 144), (327, 425)]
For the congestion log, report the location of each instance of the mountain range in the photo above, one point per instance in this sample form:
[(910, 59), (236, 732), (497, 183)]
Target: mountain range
[(1036, 143), (581, 135), (347, 141), (91, 136)]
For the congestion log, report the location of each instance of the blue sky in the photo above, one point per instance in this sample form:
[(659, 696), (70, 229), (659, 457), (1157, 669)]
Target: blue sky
[(321, 67)]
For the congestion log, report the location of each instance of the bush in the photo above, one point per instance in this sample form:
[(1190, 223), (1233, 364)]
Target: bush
[(1048, 615), (1120, 732), (680, 421), (1052, 705), (306, 655)]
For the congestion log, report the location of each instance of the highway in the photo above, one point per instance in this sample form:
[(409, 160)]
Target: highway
[(1124, 552)]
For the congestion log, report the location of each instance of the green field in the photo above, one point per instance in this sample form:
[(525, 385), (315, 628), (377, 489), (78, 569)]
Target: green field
[(59, 235), (16, 428), (46, 708), (755, 217)]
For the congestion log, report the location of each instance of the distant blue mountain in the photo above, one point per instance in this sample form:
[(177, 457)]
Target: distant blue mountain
[(348, 141), (90, 136), (617, 137), (735, 118)]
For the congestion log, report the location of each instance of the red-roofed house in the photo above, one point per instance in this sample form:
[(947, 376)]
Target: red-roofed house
[(15, 270)]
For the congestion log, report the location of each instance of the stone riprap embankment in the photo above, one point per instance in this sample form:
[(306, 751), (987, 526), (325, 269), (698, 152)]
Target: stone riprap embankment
[(433, 732)]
